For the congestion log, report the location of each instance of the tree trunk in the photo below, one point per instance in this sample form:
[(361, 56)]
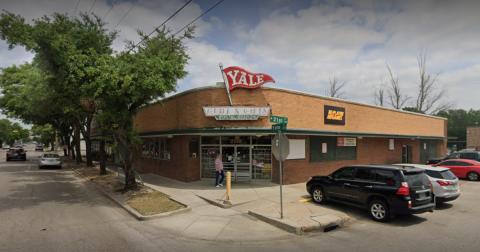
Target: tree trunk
[(67, 143), (88, 149), (86, 136), (103, 168), (77, 143), (125, 150)]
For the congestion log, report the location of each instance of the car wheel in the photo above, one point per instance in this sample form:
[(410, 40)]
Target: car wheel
[(379, 210), (472, 176), (8, 159), (318, 195)]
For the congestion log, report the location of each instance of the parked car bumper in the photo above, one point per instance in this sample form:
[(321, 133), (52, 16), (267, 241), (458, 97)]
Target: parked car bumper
[(403, 208), (446, 198)]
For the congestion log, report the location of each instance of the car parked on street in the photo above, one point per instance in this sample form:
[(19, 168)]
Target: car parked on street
[(49, 160), (6, 147), (462, 168), (465, 154), (39, 148), (383, 190), (446, 186), (16, 153)]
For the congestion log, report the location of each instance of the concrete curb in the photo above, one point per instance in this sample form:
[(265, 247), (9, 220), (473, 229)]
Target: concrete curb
[(130, 209), (321, 223)]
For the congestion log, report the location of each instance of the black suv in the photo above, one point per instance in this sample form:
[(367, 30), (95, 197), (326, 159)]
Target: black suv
[(383, 190), (474, 155), (16, 153)]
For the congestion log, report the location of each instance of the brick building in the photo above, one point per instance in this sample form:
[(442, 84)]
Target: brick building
[(473, 137), (180, 139)]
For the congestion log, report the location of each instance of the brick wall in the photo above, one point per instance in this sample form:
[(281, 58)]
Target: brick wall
[(369, 151), (473, 138), (185, 111), (303, 112)]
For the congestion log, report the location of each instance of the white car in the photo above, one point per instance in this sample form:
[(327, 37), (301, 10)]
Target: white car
[(445, 183), (49, 160), (6, 147)]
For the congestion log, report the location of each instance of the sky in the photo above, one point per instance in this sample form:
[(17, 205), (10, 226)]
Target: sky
[(302, 44)]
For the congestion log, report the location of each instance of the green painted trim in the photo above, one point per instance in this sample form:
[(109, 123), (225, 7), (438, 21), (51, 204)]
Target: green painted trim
[(261, 130)]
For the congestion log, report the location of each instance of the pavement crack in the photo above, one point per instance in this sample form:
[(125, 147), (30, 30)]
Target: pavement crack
[(223, 228)]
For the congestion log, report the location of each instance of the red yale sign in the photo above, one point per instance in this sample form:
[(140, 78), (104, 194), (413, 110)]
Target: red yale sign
[(239, 77)]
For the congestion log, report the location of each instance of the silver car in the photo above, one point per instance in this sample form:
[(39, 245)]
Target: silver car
[(49, 160), (445, 183)]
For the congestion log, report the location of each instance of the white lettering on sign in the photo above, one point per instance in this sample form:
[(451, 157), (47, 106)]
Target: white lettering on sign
[(236, 113), (239, 77), (252, 82)]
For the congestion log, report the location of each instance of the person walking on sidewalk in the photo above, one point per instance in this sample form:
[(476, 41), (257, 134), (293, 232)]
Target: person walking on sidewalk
[(219, 170)]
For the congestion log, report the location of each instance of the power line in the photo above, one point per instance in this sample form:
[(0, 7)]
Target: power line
[(76, 8), (91, 7), (125, 14), (198, 17), (109, 10), (160, 25)]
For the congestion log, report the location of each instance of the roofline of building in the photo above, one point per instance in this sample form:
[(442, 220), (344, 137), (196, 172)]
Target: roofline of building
[(268, 131), (304, 94)]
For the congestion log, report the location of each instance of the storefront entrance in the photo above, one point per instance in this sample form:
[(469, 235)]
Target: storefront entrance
[(246, 157), (236, 159)]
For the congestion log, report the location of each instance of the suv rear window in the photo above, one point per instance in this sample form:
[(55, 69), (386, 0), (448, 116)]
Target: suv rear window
[(416, 179), (447, 174)]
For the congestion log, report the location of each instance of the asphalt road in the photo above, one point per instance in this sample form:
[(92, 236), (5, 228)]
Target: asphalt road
[(55, 210)]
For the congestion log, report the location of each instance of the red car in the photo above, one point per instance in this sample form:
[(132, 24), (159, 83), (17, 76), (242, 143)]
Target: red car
[(462, 168)]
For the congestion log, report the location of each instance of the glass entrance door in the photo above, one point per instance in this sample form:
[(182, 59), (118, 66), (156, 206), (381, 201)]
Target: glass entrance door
[(236, 159), (242, 169), (228, 159)]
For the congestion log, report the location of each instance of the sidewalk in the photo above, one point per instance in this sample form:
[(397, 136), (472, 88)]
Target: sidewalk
[(251, 201)]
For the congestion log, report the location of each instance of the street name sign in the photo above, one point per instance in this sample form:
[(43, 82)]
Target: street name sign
[(281, 126), (278, 119)]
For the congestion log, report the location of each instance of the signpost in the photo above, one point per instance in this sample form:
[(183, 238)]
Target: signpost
[(278, 150)]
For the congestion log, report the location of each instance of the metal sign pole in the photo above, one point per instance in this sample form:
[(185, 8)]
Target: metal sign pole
[(225, 80), (281, 179)]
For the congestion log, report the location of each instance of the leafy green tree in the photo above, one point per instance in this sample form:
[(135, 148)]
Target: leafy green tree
[(57, 42), (131, 80), (28, 97), (45, 133), (412, 109), (10, 132), (458, 120)]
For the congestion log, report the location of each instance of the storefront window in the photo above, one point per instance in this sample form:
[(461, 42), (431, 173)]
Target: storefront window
[(144, 147), (158, 147), (210, 140), (152, 147), (266, 140), (236, 140)]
